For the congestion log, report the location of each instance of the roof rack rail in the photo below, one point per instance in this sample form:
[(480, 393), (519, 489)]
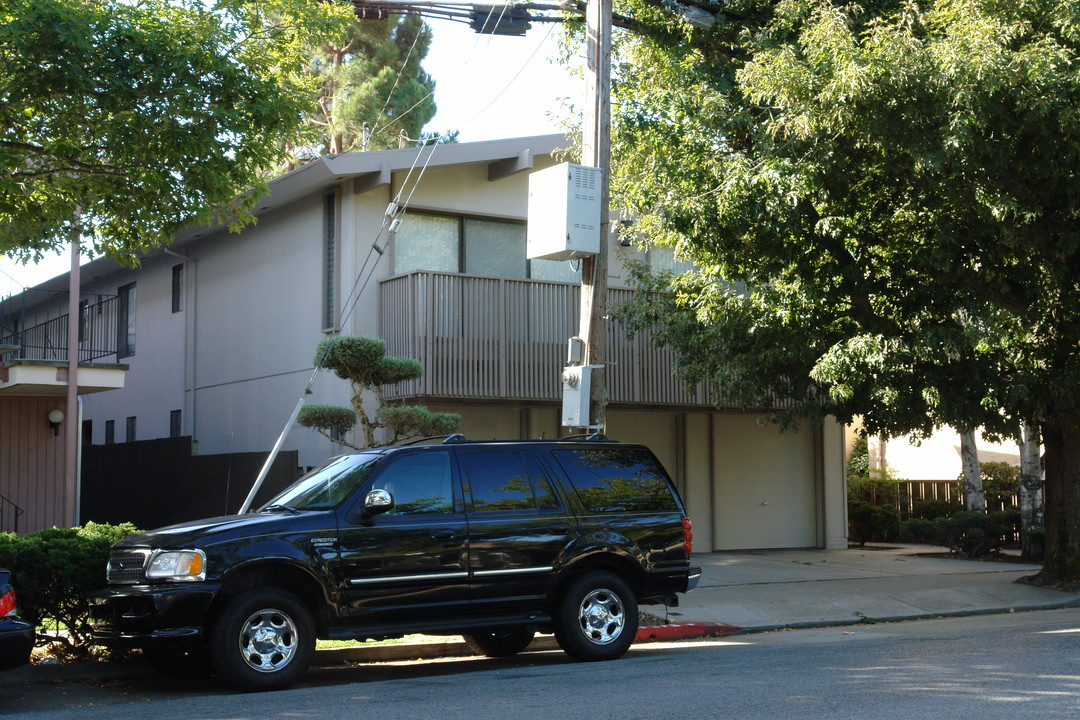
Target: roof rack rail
[(446, 439), (592, 437)]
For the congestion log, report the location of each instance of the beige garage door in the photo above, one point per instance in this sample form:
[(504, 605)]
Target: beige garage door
[(765, 489)]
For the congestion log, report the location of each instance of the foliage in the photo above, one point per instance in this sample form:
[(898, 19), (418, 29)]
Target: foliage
[(1000, 479), (351, 357), (415, 420), (370, 74), (333, 419), (54, 570), (873, 503), (882, 200), (363, 362), (972, 534), (931, 508), (142, 118), (859, 463)]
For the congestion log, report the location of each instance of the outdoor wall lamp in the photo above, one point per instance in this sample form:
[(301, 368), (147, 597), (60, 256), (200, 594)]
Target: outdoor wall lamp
[(56, 416)]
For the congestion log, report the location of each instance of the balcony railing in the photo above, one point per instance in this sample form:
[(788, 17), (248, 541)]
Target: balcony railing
[(481, 337), (47, 339)]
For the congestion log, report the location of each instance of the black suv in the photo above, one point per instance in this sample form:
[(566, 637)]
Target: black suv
[(491, 540)]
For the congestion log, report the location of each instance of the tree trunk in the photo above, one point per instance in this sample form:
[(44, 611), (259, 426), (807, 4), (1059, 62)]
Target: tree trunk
[(1061, 440), (1031, 500), (969, 458)]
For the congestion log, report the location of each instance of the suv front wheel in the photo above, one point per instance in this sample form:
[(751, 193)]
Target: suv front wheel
[(596, 617), (264, 639)]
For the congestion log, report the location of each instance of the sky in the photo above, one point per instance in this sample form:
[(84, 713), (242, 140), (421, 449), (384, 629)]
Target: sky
[(487, 87)]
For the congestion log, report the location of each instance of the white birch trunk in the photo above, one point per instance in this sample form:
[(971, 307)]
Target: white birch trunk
[(1031, 481), (969, 458)]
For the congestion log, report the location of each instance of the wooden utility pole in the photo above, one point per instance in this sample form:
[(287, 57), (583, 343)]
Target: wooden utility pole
[(596, 152)]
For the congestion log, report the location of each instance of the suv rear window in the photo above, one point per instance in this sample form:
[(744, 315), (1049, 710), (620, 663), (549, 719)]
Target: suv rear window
[(617, 480)]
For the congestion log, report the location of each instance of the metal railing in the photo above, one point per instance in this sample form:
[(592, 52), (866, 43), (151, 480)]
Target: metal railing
[(9, 515), (482, 337), (48, 340)]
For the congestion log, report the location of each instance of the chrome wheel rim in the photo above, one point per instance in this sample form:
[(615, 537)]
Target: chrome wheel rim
[(268, 640), (601, 617)]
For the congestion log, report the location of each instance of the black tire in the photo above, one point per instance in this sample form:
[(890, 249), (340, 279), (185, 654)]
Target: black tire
[(499, 644), (596, 617), (182, 663), (264, 639)]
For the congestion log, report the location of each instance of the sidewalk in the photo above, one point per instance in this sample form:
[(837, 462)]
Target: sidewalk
[(750, 591)]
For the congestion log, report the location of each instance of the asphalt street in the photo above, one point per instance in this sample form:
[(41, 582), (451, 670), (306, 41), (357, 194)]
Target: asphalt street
[(1008, 666)]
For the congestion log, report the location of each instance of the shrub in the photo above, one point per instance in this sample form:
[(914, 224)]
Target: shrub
[(868, 522), (931, 509), (54, 570), (972, 534)]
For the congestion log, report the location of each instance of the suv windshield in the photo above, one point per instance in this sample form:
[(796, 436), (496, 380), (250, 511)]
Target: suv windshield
[(326, 486)]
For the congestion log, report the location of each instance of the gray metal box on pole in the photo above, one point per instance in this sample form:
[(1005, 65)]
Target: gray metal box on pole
[(564, 212)]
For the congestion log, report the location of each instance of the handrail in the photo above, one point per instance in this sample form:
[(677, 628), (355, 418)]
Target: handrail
[(7, 507)]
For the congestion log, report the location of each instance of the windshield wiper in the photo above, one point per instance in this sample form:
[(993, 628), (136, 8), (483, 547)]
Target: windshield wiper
[(286, 508)]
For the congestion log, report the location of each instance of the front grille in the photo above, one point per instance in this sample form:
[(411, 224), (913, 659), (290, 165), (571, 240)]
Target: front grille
[(126, 566)]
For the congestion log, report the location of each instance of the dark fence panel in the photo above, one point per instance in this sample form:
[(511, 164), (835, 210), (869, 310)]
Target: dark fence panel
[(152, 483)]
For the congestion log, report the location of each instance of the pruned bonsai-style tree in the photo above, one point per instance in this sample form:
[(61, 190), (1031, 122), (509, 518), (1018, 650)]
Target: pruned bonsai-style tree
[(364, 363)]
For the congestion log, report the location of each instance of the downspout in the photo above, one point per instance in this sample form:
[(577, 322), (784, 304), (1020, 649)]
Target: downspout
[(190, 341)]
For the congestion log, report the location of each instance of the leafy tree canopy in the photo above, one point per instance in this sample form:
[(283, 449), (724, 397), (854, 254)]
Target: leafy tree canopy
[(883, 201), (144, 117)]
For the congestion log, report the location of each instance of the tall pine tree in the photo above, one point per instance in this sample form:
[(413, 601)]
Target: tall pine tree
[(372, 75)]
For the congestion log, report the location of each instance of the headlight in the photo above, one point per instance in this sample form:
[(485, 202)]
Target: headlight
[(177, 565)]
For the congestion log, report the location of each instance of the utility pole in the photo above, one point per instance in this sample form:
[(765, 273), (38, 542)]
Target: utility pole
[(596, 152)]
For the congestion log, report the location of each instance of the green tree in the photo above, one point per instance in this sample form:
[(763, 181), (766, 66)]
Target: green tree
[(371, 76), (364, 363), (142, 118), (883, 202)]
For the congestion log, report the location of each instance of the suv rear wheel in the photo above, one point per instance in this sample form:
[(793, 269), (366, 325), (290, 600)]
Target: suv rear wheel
[(264, 639), (499, 644), (596, 617)]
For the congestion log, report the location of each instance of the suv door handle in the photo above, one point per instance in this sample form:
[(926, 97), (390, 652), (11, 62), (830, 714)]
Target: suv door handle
[(442, 534), (559, 529)]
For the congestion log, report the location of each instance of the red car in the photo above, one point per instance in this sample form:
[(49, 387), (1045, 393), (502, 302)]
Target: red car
[(16, 636)]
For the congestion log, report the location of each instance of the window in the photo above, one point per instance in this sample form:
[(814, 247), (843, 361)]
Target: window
[(507, 481), (178, 288), (420, 484), (330, 264), (174, 424), (662, 259), (476, 246), (88, 432), (130, 436), (617, 480), (110, 432), (125, 322)]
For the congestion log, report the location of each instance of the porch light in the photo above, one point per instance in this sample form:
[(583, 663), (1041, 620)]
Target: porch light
[(56, 416)]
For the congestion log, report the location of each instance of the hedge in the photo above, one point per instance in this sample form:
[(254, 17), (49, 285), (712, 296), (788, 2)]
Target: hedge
[(53, 571)]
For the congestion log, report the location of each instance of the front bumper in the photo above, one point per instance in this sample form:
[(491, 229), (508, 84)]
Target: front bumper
[(141, 615), (16, 642)]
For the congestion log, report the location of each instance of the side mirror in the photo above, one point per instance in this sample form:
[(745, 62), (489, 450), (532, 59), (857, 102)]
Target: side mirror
[(377, 501)]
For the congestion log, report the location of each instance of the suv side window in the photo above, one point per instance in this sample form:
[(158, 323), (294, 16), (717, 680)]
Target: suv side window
[(507, 480), (420, 484), (617, 480)]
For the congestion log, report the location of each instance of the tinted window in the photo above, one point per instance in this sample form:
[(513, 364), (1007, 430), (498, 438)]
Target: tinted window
[(617, 480), (545, 497), (499, 481), (326, 486), (420, 484)]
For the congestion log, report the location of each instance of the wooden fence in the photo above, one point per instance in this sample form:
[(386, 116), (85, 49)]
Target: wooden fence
[(153, 483), (909, 492)]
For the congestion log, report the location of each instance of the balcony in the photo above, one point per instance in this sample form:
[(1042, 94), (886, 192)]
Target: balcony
[(34, 344), (495, 338)]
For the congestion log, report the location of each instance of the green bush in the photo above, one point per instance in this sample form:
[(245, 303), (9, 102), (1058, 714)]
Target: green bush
[(867, 522), (53, 571), (972, 534), (931, 509)]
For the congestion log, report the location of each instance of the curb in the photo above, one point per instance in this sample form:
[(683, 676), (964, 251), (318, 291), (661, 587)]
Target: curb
[(684, 631)]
